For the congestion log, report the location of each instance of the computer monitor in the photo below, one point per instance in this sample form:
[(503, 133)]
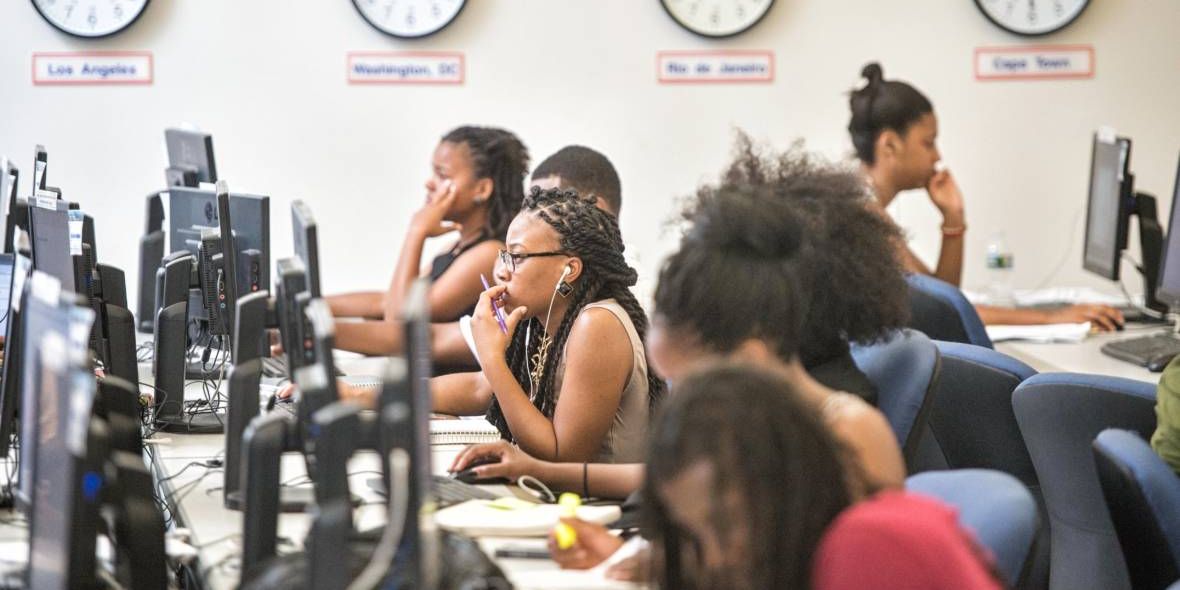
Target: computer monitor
[(6, 266), (14, 209), (190, 157), (13, 347), (47, 309), (69, 453), (191, 210), (230, 287), (1109, 206), (299, 347), (49, 229), (303, 231), (1112, 202), (40, 168), (1168, 291)]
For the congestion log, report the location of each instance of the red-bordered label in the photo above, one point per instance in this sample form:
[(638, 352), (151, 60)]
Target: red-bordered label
[(406, 67), (737, 66), (70, 68), (1034, 62)]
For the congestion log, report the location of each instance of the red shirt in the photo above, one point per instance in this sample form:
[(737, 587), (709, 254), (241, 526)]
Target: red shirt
[(900, 541)]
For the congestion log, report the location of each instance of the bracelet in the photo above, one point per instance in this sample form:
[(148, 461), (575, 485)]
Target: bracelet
[(953, 231), (585, 481)]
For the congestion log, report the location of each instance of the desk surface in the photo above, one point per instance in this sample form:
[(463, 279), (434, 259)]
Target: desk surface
[(1082, 357)]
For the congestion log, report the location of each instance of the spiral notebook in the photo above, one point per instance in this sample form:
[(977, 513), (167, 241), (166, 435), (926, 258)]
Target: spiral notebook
[(462, 432)]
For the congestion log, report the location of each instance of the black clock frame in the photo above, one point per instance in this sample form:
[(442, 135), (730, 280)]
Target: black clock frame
[(664, 5), (396, 36), (979, 5), (146, 4)]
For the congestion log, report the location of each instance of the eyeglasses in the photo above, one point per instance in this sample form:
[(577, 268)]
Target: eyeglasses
[(511, 259)]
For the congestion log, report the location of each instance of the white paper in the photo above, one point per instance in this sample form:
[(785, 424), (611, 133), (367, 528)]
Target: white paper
[(1040, 333)]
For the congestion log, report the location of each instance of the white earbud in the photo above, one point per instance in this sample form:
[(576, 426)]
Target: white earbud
[(565, 272)]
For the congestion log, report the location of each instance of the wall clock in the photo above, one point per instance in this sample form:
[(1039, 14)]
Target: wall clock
[(1032, 18), (90, 18), (717, 18), (409, 19)]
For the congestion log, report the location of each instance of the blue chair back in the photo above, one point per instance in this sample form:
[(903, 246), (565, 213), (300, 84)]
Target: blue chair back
[(942, 311), (1143, 497), (971, 423), (1059, 415), (904, 370), (995, 506)]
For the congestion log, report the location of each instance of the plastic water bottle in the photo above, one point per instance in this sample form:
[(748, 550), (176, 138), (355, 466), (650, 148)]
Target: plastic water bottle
[(999, 271)]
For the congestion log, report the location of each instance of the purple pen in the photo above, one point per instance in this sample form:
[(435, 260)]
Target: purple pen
[(495, 308)]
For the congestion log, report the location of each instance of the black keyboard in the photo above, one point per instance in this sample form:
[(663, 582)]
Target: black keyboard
[(1144, 350), (447, 490)]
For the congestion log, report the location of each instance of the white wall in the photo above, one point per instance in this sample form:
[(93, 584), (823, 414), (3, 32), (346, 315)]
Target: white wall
[(267, 78)]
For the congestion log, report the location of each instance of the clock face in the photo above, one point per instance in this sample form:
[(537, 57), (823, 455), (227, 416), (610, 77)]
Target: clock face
[(717, 18), (1032, 17), (409, 18), (90, 18)]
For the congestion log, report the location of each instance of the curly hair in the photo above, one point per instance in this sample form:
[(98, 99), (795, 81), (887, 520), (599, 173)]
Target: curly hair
[(499, 155), (766, 446), (593, 235), (853, 288)]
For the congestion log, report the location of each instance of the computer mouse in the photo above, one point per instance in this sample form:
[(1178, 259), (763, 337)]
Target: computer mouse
[(1157, 363), (469, 476)]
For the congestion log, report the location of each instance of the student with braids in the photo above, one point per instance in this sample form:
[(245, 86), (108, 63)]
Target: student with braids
[(476, 187), (771, 499), (893, 129), (568, 380)]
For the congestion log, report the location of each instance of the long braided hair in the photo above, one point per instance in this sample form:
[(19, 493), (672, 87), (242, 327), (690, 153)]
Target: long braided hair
[(499, 155), (593, 235)]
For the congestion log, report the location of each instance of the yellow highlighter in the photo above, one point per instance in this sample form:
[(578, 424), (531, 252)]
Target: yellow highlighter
[(564, 533)]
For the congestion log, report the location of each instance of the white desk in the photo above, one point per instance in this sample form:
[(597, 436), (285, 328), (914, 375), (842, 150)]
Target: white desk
[(217, 532), (1082, 357)]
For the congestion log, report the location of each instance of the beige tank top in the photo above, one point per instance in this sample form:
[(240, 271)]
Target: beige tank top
[(626, 440)]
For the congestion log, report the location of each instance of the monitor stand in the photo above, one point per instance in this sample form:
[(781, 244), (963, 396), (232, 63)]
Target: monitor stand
[(1151, 244)]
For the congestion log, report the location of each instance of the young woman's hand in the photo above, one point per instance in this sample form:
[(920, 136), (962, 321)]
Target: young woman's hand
[(593, 545), (509, 461), (428, 222), (1102, 317), (945, 195), (491, 341)]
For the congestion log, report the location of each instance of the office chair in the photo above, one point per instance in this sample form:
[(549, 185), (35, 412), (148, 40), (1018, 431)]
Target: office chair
[(1143, 497), (995, 506), (904, 369), (971, 423), (1059, 415), (940, 310)]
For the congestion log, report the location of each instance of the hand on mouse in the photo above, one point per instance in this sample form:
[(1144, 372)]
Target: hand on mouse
[(1102, 317), (492, 460)]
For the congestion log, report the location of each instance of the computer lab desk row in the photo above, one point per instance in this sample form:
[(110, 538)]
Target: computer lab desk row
[(1082, 357), (194, 489)]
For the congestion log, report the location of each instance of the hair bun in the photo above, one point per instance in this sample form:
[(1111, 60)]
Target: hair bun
[(754, 227), (873, 73)]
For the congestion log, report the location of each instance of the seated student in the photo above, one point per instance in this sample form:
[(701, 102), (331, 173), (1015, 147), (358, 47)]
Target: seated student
[(1166, 438), (749, 505), (476, 187), (573, 167), (893, 129), (577, 168), (566, 378), (746, 276)]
